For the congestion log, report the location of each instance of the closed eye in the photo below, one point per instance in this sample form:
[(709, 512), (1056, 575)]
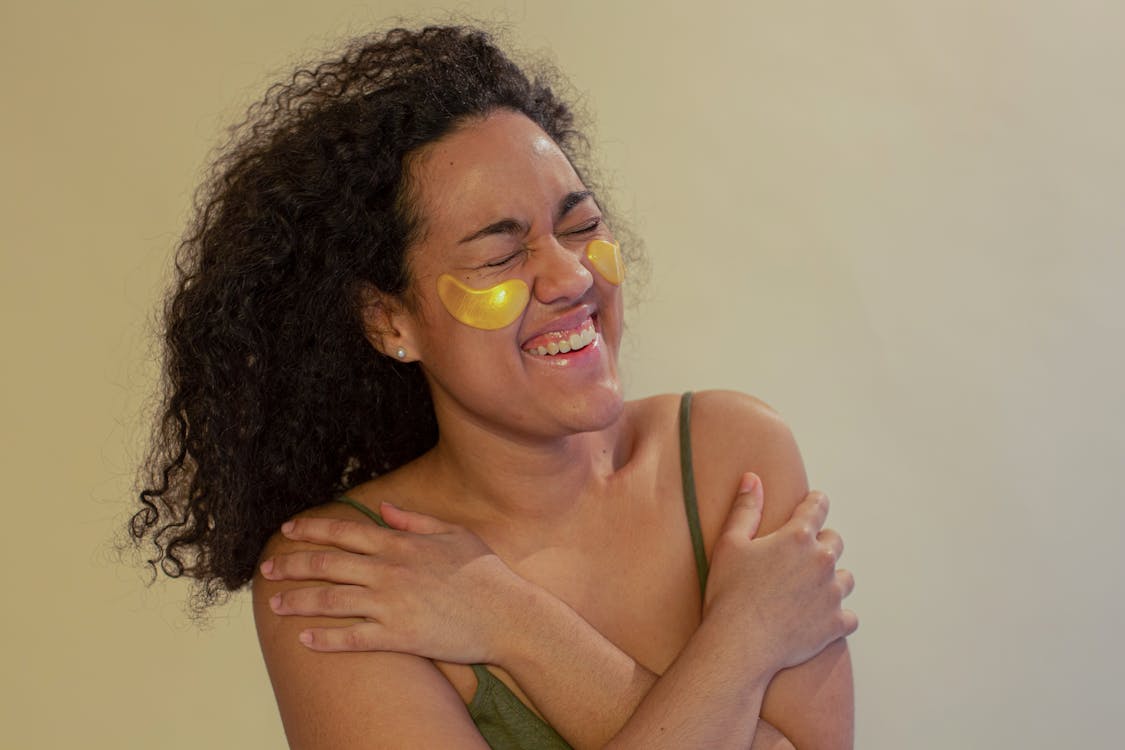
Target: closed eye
[(586, 228), (502, 261)]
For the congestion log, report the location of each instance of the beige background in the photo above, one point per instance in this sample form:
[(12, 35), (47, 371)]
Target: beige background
[(903, 224)]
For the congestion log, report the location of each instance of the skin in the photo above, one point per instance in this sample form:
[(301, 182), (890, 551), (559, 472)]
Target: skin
[(558, 558)]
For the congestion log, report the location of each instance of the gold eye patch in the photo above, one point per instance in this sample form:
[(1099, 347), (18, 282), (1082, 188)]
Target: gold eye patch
[(606, 259), (487, 309)]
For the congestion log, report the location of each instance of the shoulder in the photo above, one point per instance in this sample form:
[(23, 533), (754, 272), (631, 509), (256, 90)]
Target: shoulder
[(271, 627), (720, 413), (733, 433), (354, 699)]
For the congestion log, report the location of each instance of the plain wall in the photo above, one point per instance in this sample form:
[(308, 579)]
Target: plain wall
[(902, 224)]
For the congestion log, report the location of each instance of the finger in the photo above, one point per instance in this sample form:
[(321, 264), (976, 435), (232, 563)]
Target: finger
[(351, 536), (319, 565), (849, 621), (325, 601), (364, 636), (746, 510), (810, 514), (833, 541), (407, 520), (846, 581)]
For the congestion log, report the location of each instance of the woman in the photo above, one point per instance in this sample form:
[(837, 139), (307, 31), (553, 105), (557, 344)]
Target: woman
[(399, 287)]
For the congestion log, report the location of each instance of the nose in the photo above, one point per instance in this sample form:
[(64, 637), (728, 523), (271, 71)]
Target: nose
[(560, 274)]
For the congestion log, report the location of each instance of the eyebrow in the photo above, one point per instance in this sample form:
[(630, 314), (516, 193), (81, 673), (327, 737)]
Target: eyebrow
[(513, 226), (571, 200)]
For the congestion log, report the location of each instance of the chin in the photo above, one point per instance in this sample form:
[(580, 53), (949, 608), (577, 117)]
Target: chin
[(597, 410)]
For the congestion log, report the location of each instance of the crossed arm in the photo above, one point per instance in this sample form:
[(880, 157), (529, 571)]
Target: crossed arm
[(591, 692)]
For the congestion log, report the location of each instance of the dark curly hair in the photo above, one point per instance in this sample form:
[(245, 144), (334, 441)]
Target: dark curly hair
[(274, 400)]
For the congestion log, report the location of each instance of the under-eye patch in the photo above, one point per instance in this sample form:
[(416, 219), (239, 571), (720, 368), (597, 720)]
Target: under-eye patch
[(487, 309), (605, 256)]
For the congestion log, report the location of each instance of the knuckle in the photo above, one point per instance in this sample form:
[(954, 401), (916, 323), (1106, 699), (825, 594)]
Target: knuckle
[(328, 598), (397, 546), (338, 527), (395, 574), (318, 561), (803, 534), (354, 639)]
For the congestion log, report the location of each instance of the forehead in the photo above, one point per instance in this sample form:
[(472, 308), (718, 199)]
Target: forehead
[(501, 166)]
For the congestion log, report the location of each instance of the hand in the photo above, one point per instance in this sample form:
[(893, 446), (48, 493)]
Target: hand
[(423, 587), (782, 591)]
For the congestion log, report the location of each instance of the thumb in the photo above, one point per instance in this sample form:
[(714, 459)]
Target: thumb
[(406, 520), (746, 510)]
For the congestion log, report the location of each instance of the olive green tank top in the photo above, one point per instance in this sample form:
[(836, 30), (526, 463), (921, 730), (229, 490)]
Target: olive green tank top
[(502, 718)]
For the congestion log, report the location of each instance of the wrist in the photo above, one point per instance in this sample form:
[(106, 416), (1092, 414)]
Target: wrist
[(538, 623), (747, 646), (518, 612)]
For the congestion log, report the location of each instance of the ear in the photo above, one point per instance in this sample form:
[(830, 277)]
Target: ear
[(387, 324)]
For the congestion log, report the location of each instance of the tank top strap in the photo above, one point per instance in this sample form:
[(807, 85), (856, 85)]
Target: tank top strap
[(505, 722), (364, 510), (691, 506)]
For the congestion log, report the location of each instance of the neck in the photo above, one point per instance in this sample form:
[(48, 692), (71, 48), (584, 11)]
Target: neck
[(521, 479)]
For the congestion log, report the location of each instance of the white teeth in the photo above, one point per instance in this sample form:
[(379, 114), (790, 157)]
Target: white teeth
[(576, 341)]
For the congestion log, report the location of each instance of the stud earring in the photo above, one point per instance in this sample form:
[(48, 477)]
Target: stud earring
[(400, 353)]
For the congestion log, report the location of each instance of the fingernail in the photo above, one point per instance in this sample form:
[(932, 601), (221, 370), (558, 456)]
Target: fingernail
[(286, 527), (749, 482), (275, 601), (267, 567), (390, 505), (305, 637)]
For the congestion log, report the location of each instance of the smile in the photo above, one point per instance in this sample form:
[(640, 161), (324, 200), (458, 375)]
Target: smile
[(563, 342)]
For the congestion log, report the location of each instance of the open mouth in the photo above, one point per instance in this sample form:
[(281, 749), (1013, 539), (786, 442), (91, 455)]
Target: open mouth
[(563, 342)]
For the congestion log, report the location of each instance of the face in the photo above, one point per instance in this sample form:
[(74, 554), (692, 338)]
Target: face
[(501, 206)]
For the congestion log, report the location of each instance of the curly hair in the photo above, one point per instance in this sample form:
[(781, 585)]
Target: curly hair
[(274, 401)]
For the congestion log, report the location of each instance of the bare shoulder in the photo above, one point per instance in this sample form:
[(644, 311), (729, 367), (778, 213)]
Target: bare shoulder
[(732, 433), (650, 418), (351, 700)]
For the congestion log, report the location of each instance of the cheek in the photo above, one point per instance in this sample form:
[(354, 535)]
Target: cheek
[(487, 309)]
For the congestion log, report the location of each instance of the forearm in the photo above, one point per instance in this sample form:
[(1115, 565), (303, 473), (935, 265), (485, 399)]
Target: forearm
[(583, 684), (814, 703), (595, 695), (710, 696)]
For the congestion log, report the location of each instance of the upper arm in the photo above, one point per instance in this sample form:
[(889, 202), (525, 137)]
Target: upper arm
[(353, 700), (812, 703)]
